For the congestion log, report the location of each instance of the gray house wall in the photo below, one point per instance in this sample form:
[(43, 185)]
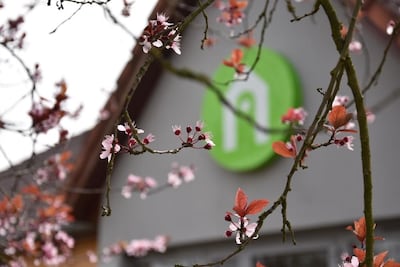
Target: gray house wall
[(327, 194)]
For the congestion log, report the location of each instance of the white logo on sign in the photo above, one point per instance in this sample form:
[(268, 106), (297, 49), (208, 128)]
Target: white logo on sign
[(259, 91)]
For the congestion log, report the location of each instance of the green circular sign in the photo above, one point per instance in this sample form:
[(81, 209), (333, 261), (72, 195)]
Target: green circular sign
[(271, 89)]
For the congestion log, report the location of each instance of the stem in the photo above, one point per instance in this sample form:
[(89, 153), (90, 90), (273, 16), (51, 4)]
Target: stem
[(361, 117), (365, 159)]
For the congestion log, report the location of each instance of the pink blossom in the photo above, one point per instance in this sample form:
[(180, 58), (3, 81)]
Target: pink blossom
[(370, 116), (109, 146), (345, 141), (355, 46), (138, 183), (390, 27), (160, 243), (340, 100), (180, 174), (138, 248), (295, 115), (231, 14), (158, 34), (64, 237), (199, 126), (209, 144), (162, 19), (176, 129), (242, 229), (148, 139), (92, 256), (349, 261), (127, 129), (141, 247), (145, 43)]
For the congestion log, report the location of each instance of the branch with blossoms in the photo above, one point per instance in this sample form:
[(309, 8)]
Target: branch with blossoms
[(194, 138), (135, 248), (33, 218), (160, 27)]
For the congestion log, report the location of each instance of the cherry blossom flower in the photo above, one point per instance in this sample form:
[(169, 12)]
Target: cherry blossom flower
[(110, 146), (55, 168), (242, 227), (199, 126), (370, 116), (355, 46), (180, 174), (340, 100), (390, 27), (295, 115), (148, 139), (177, 129), (136, 247), (143, 185), (349, 261), (232, 13), (127, 129), (92, 256), (174, 42), (158, 33), (345, 141), (196, 138)]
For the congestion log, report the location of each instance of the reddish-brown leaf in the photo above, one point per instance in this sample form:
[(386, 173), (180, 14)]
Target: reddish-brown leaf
[(256, 206), (359, 253), (379, 259), (259, 264), (391, 263), (240, 202), (338, 116), (281, 149)]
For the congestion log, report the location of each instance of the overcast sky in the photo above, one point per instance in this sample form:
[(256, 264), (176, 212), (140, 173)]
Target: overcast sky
[(88, 51)]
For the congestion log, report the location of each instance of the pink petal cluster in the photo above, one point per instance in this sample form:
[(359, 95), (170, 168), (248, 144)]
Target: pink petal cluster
[(342, 100), (242, 228), (295, 115), (180, 174), (35, 231), (137, 183), (141, 247), (134, 143), (134, 248), (232, 13), (54, 168), (349, 261), (160, 32), (110, 146), (195, 137), (345, 141)]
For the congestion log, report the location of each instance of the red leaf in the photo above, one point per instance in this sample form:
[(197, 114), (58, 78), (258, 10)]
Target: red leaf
[(360, 254), (338, 116), (391, 263), (281, 149), (378, 259), (240, 202), (256, 206), (259, 264)]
